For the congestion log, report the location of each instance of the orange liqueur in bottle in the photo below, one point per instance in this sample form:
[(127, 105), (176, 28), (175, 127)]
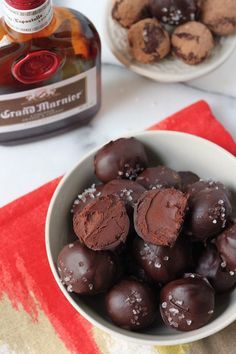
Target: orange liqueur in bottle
[(50, 69)]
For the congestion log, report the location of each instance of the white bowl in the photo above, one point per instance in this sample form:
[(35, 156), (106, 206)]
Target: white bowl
[(169, 69), (179, 151)]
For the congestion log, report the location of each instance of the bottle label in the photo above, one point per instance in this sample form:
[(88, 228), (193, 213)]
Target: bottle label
[(28, 21), (48, 104)]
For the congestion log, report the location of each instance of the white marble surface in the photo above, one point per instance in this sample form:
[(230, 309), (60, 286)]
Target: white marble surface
[(130, 103)]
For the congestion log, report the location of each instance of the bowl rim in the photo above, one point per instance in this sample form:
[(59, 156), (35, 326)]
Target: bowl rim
[(146, 339), (143, 70)]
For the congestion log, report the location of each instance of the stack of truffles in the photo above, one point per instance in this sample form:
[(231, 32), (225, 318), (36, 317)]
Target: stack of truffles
[(186, 28), (152, 240)]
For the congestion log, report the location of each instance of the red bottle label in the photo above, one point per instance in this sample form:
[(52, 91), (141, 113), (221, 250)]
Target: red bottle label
[(36, 67), (27, 16)]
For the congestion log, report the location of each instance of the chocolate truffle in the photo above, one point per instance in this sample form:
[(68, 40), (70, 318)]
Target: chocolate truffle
[(102, 224), (84, 271), (174, 12), (149, 42), (159, 216), (131, 305), (122, 158), (128, 191), (159, 177), (187, 178), (128, 12), (219, 16), (192, 42), (226, 245), (212, 266), (86, 197), (161, 264), (208, 214), (195, 188), (187, 303)]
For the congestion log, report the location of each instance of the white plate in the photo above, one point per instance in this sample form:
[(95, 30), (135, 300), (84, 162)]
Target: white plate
[(169, 69), (181, 152)]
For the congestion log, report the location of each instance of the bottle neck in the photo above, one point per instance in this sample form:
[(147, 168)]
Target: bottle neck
[(27, 16)]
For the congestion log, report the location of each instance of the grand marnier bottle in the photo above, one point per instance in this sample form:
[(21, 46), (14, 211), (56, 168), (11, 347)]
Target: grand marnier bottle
[(50, 69)]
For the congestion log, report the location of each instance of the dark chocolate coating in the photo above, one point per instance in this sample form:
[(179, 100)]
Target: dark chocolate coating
[(159, 216), (131, 305), (187, 178), (86, 272), (187, 303), (159, 177), (128, 191), (102, 224), (161, 264), (122, 158), (174, 12), (209, 211), (86, 197), (201, 185), (212, 266), (226, 245)]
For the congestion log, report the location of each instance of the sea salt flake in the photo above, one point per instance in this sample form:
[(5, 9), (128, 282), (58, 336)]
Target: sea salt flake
[(90, 286), (223, 264), (71, 245), (179, 302), (166, 258), (231, 273), (157, 265), (164, 305), (70, 288), (210, 312), (189, 322), (214, 221), (174, 311)]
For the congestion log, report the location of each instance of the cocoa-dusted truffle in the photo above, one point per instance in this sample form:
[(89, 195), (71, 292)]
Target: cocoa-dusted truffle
[(159, 216), (128, 12), (149, 42), (128, 191), (226, 245), (131, 305), (122, 158), (209, 211), (219, 16), (159, 177), (161, 264), (192, 42), (214, 268), (88, 195), (84, 271), (187, 303), (187, 178), (102, 224), (175, 12)]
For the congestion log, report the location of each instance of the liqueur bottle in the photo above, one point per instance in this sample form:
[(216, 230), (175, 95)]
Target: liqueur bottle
[(50, 69)]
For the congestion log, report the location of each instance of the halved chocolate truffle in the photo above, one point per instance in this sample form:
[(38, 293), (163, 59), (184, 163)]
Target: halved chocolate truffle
[(86, 272), (131, 305), (214, 268), (159, 177), (187, 303), (159, 216), (102, 224), (161, 264), (122, 158)]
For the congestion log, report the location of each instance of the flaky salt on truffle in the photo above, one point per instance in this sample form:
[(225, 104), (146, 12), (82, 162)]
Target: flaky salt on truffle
[(149, 42), (128, 12), (219, 16), (192, 42)]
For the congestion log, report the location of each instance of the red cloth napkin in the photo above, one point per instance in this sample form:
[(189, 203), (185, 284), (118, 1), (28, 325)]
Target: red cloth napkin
[(26, 279)]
